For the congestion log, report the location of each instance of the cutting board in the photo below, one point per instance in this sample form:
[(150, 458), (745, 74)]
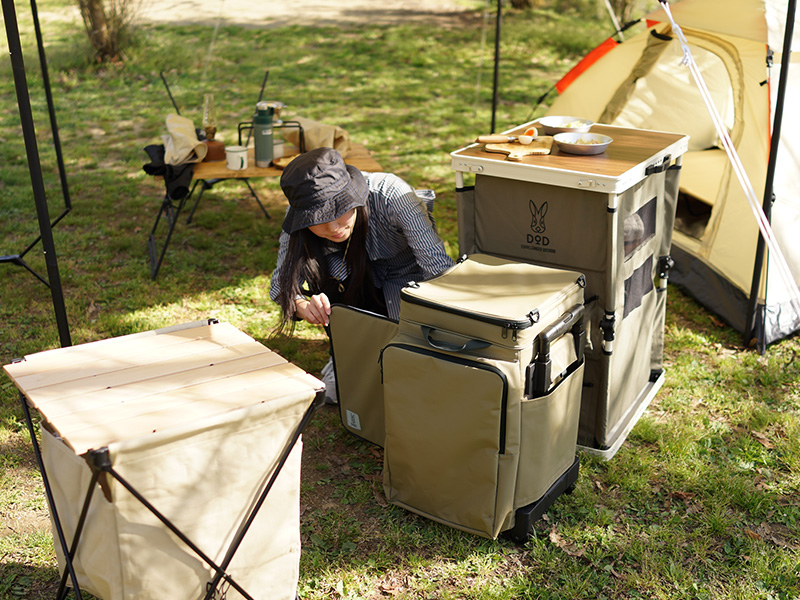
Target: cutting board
[(516, 151)]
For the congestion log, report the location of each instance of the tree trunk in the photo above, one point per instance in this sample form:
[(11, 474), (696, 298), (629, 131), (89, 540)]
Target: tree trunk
[(101, 36)]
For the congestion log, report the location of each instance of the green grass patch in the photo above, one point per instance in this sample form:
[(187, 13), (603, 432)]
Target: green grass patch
[(700, 503)]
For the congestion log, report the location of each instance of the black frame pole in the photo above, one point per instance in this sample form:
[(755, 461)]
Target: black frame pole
[(51, 109), (496, 64), (35, 169), (260, 97), (169, 92), (769, 194)]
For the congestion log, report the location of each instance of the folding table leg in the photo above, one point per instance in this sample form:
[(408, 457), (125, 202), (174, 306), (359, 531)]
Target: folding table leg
[(253, 192), (171, 213), (100, 462), (62, 586), (62, 540), (204, 185), (208, 184)]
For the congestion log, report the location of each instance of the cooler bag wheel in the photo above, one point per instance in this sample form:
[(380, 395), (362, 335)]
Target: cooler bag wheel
[(525, 517)]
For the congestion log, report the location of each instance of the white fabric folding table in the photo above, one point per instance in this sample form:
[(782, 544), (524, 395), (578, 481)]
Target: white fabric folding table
[(171, 462)]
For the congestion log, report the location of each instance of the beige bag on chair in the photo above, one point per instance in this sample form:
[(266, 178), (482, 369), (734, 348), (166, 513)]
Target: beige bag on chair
[(318, 135), (181, 145)]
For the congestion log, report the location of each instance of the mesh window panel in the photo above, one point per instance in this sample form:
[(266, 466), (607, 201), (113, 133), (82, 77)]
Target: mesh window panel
[(637, 286)]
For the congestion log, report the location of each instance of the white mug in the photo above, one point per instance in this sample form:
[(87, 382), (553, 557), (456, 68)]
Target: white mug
[(277, 149), (236, 158)]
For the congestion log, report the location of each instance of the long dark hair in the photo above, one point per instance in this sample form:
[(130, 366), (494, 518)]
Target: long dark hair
[(305, 261)]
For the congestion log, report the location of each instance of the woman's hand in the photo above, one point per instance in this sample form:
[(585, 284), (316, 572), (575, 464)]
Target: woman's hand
[(316, 310)]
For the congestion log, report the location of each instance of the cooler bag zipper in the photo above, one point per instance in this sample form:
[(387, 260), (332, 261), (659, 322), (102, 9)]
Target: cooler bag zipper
[(513, 324), (505, 323)]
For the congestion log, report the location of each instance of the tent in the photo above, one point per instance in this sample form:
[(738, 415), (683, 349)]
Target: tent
[(644, 83)]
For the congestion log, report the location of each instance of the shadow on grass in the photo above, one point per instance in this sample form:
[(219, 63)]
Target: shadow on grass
[(19, 580)]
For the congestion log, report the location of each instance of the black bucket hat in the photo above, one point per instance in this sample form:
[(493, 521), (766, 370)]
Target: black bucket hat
[(320, 188)]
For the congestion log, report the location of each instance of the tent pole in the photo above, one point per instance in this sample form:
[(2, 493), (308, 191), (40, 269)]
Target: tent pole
[(769, 194), (496, 64), (35, 169)]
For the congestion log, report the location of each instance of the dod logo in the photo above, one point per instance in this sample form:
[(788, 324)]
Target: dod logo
[(538, 227)]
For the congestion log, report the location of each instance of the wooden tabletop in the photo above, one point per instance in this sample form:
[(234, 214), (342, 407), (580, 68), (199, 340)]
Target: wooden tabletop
[(631, 157), (358, 156), (629, 148), (134, 386)]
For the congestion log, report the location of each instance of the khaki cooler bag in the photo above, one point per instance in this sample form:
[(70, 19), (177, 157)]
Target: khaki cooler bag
[(357, 339), (481, 389)]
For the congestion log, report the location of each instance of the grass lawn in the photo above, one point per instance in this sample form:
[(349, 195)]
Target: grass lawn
[(701, 502)]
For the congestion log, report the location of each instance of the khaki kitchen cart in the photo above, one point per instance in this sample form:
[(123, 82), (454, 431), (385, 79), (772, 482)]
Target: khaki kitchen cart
[(608, 216)]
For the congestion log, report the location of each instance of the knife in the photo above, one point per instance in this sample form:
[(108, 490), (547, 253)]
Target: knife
[(504, 139), (496, 139)]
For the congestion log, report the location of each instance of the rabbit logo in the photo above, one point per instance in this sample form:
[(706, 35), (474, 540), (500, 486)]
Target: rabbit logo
[(537, 217), (537, 224)]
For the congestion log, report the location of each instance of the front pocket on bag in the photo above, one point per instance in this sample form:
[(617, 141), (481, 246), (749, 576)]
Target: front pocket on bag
[(445, 433), (549, 436)]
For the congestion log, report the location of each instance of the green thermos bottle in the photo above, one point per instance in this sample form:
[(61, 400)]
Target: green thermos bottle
[(262, 131)]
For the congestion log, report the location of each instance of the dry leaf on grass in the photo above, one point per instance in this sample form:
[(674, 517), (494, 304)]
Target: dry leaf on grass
[(762, 439), (752, 535), (379, 498), (566, 546)]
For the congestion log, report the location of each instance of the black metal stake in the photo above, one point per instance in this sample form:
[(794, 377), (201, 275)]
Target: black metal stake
[(496, 64), (260, 97), (166, 85)]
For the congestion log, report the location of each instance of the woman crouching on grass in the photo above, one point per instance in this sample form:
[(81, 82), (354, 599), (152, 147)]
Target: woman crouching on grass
[(350, 238)]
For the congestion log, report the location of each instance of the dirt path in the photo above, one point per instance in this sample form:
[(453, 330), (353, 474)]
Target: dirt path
[(300, 12), (270, 13)]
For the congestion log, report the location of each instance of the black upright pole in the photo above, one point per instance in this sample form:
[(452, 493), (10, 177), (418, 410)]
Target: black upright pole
[(769, 194), (35, 169), (51, 109), (496, 64)]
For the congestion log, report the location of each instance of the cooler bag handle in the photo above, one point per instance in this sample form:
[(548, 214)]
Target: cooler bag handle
[(447, 346), (538, 377)]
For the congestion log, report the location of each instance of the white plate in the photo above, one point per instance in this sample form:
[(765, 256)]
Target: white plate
[(554, 125), (582, 143)]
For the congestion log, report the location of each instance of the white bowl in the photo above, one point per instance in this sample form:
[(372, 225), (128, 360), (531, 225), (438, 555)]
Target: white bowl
[(554, 125), (582, 143)]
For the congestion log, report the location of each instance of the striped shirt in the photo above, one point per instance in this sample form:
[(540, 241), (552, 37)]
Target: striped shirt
[(402, 243)]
